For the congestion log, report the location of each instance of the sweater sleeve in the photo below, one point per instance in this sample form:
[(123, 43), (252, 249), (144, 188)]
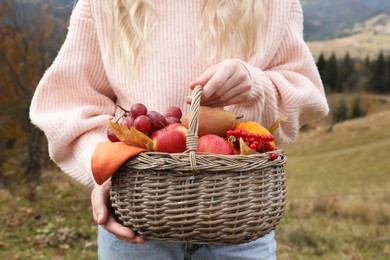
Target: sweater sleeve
[(289, 86), (73, 101)]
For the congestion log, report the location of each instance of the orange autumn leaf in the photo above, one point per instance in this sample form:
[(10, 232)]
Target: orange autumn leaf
[(244, 149), (131, 136), (234, 144), (276, 124)]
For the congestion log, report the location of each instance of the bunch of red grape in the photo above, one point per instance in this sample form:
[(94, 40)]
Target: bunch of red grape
[(257, 142), (146, 121)]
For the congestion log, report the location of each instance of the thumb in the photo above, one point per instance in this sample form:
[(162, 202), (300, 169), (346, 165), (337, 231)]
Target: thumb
[(101, 216), (99, 200)]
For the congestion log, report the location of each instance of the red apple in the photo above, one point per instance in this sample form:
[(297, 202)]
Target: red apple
[(170, 139), (214, 144)]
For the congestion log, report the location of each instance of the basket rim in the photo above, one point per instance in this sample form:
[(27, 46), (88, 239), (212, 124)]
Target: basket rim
[(204, 162)]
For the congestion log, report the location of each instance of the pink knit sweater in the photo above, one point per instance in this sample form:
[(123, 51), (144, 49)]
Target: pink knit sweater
[(78, 94)]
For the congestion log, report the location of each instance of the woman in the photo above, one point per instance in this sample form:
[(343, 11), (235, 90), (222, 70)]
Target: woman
[(249, 56)]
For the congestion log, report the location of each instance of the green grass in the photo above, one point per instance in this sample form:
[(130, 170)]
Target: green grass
[(338, 202), (57, 224), (339, 193)]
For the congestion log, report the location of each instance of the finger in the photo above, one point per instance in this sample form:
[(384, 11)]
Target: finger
[(222, 81), (237, 85), (118, 229), (136, 240), (219, 79), (188, 99), (231, 101), (121, 231), (204, 77), (217, 82), (99, 200)]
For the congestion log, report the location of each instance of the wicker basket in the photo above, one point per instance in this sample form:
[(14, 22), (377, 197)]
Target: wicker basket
[(200, 198)]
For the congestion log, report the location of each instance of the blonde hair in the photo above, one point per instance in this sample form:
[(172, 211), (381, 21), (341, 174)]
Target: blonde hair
[(229, 25)]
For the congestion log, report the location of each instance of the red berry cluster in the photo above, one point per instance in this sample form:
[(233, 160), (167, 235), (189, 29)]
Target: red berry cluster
[(146, 121), (257, 142)]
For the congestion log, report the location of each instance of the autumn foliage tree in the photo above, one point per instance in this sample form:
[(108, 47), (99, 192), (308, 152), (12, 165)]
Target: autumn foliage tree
[(30, 37)]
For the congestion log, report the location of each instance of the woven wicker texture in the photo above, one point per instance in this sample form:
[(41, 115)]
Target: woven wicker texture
[(200, 198)]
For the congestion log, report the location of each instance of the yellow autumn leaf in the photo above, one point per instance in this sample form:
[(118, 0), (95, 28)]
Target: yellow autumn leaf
[(276, 124), (244, 149), (131, 136)]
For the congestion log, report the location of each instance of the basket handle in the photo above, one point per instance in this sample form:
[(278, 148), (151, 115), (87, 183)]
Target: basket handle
[(192, 133)]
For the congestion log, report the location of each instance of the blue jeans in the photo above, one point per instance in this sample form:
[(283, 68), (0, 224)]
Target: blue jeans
[(112, 248)]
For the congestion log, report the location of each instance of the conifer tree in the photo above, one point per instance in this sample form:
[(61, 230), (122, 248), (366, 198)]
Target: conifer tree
[(364, 74), (356, 110), (321, 64), (340, 113), (387, 73), (367, 62), (347, 75), (331, 73), (379, 75)]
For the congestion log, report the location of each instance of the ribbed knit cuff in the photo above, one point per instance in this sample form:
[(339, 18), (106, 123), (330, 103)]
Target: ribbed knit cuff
[(246, 67), (257, 90)]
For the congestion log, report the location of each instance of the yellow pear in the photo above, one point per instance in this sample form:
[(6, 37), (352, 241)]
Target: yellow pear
[(212, 121)]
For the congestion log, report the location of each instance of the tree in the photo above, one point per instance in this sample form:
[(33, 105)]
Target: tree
[(347, 75), (26, 50), (364, 74), (331, 73), (321, 65), (387, 84), (340, 113), (367, 62), (379, 77), (356, 110)]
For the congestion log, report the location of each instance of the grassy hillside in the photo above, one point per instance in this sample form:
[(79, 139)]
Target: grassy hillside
[(328, 19), (364, 39), (359, 46), (338, 192), (338, 199)]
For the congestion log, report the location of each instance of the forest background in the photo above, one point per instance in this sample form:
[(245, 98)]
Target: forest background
[(337, 211)]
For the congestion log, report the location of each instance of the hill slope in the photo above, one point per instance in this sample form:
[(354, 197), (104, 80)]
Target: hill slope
[(328, 19), (367, 38)]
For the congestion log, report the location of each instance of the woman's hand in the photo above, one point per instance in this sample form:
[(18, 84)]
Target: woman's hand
[(224, 84), (102, 216)]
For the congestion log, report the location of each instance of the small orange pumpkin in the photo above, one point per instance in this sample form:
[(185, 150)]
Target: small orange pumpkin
[(256, 128)]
